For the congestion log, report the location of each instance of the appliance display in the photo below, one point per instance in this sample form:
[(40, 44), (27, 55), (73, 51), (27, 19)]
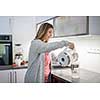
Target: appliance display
[(6, 50)]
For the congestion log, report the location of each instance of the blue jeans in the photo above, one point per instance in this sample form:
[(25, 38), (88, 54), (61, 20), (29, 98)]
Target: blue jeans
[(49, 78)]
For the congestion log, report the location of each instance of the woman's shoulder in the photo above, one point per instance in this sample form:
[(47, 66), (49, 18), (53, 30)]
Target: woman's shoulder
[(36, 41)]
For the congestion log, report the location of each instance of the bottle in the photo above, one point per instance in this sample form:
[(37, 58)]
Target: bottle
[(75, 71)]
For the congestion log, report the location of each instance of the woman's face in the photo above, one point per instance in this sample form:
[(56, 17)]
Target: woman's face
[(49, 34)]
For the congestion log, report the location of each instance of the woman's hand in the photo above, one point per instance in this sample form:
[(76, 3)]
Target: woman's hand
[(71, 45)]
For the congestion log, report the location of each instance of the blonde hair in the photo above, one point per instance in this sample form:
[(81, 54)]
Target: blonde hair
[(43, 30)]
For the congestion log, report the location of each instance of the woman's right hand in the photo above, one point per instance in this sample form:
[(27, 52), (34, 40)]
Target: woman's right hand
[(71, 45)]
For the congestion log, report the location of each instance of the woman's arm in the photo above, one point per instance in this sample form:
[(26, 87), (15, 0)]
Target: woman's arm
[(47, 47)]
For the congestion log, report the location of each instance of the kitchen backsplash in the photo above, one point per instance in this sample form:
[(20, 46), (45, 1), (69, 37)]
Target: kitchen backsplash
[(88, 48)]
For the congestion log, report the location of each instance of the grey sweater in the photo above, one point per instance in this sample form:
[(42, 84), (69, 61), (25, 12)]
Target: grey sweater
[(35, 72)]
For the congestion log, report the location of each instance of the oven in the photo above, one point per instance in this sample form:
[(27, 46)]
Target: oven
[(6, 50)]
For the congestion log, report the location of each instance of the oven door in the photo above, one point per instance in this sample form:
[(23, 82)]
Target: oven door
[(6, 53)]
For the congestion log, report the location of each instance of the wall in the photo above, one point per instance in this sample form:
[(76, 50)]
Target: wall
[(88, 49), (5, 24), (23, 29)]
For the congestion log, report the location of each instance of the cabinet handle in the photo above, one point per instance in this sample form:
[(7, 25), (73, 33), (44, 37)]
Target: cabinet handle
[(15, 77), (10, 77)]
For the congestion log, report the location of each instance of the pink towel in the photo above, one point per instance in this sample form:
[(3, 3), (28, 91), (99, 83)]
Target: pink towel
[(47, 66)]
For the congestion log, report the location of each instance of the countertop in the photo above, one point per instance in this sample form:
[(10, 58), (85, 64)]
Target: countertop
[(86, 76), (9, 67)]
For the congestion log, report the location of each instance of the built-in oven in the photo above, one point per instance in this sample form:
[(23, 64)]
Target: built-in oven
[(6, 50)]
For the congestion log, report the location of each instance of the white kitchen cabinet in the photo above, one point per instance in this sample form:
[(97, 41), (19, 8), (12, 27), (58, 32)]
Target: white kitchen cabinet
[(19, 75), (6, 76), (70, 25), (94, 25), (12, 76), (5, 24), (40, 19)]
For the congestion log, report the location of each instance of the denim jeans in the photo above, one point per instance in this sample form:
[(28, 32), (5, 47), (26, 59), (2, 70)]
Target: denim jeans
[(49, 78)]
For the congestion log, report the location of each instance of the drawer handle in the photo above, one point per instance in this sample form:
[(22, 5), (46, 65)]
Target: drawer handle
[(15, 77), (10, 77)]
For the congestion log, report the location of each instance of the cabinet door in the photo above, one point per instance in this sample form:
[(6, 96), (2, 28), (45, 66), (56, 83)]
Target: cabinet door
[(5, 24), (94, 25), (56, 79), (40, 19), (19, 75), (70, 25), (6, 76)]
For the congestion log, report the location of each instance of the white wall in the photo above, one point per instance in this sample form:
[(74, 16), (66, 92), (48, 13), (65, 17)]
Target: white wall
[(88, 48), (5, 24), (23, 29)]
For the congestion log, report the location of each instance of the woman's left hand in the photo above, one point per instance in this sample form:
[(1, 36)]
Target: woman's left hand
[(71, 45)]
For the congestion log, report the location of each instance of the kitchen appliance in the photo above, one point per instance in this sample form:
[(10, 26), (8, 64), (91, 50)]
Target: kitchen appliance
[(18, 54), (67, 57), (5, 49)]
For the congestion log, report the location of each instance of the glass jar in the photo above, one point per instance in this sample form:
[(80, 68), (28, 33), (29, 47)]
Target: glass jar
[(18, 54), (75, 71), (18, 49)]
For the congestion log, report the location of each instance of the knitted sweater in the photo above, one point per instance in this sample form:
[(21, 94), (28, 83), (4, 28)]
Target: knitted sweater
[(35, 72)]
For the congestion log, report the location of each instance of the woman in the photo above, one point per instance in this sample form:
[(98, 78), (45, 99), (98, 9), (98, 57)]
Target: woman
[(39, 60)]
